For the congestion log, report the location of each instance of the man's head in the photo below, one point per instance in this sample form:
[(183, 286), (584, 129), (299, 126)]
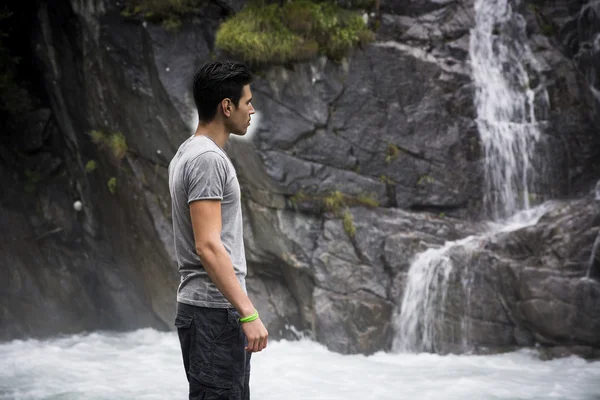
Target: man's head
[(222, 90)]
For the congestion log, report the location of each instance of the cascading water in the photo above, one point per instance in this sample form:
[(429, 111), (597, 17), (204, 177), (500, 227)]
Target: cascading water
[(592, 260), (426, 289), (504, 98), (506, 120)]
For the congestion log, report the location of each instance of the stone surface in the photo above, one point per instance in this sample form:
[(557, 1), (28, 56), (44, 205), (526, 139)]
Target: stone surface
[(393, 122), (536, 285)]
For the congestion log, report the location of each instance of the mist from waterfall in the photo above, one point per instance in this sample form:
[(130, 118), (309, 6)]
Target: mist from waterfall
[(501, 65)]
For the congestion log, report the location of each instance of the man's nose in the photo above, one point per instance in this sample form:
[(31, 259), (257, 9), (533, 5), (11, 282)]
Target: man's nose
[(252, 111)]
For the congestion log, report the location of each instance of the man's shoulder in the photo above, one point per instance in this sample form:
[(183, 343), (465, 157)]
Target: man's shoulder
[(203, 147)]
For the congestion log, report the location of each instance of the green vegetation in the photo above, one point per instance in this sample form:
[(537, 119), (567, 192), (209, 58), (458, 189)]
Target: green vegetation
[(367, 200), (166, 12), (391, 153), (298, 198), (334, 202), (387, 180), (299, 30), (272, 32), (98, 137), (348, 221), (338, 203), (112, 185), (425, 179), (115, 142), (118, 145), (337, 200), (90, 166)]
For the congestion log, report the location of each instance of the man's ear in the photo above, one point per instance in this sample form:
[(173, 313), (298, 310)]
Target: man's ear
[(226, 107)]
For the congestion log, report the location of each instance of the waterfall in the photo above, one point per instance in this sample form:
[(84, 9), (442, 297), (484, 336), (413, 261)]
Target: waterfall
[(417, 324), (506, 119), (504, 97), (593, 256)]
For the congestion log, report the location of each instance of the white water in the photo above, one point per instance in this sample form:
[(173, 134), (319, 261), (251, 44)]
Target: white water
[(595, 248), (146, 364), (509, 132), (504, 99), (420, 315), (417, 322)]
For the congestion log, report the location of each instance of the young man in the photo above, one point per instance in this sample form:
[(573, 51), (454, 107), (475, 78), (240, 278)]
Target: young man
[(217, 324)]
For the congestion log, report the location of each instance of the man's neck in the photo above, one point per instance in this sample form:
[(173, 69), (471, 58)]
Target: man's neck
[(216, 132)]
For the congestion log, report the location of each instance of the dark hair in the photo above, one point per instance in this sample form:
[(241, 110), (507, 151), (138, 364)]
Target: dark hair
[(215, 81)]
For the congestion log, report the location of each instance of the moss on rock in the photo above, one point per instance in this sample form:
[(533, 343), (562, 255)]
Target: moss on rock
[(299, 30), (167, 12)]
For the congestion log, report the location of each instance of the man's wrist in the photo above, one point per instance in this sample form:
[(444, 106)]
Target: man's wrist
[(250, 318), (247, 311)]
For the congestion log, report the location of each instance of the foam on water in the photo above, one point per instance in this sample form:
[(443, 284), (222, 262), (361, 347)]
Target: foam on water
[(146, 364)]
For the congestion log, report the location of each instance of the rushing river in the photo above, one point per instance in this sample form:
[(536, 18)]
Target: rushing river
[(146, 364)]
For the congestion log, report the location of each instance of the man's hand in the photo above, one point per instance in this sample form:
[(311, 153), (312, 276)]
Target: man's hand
[(257, 335)]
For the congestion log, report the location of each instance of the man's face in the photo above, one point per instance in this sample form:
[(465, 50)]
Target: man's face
[(239, 119)]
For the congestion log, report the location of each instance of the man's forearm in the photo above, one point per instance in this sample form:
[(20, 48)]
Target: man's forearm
[(219, 268)]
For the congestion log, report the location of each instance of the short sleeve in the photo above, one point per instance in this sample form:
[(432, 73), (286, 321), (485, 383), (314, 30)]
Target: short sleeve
[(206, 177)]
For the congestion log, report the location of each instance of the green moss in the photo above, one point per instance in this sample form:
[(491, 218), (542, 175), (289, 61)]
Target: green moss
[(172, 24), (116, 142), (338, 203), (298, 198), (112, 185), (348, 221), (425, 179), (391, 153), (118, 145), (90, 166), (387, 180), (367, 200), (167, 12), (299, 30), (98, 137), (334, 202)]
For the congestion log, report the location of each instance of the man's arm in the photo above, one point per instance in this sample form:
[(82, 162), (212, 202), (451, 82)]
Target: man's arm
[(206, 222)]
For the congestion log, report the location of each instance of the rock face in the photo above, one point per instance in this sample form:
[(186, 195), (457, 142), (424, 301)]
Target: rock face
[(534, 285), (391, 129)]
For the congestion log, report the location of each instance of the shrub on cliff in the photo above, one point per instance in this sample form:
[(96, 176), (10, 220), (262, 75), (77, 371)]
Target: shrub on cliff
[(298, 30)]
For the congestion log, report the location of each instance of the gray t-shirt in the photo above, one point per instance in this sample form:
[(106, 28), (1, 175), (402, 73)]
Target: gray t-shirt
[(201, 170)]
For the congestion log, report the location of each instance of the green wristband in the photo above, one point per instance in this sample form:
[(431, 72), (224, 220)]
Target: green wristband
[(250, 318)]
